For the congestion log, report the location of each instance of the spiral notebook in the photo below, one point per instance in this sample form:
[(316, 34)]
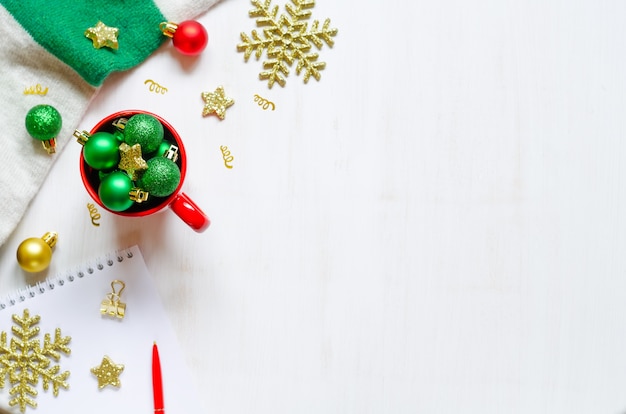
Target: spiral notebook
[(72, 302)]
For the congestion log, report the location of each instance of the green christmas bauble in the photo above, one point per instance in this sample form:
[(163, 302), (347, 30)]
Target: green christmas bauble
[(119, 135), (163, 147), (145, 130), (102, 174), (101, 151), (43, 122), (113, 191), (161, 178)]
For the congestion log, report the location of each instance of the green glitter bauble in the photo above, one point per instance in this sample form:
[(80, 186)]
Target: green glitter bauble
[(101, 151), (161, 178), (145, 130), (113, 191), (43, 122)]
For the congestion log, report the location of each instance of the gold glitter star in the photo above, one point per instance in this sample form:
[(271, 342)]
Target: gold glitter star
[(108, 373), (131, 161), (216, 103), (102, 35)]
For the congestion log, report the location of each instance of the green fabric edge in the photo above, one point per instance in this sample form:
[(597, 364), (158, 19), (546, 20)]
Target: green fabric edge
[(59, 26)]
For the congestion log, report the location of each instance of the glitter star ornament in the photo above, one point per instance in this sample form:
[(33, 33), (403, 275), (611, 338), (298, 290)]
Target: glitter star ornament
[(287, 39), (108, 373), (24, 360), (103, 36), (131, 160), (216, 103)]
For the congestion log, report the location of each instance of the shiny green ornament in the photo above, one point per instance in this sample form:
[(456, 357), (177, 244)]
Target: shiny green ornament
[(161, 178), (101, 151), (43, 122), (163, 147), (145, 130), (119, 135), (102, 174), (114, 191)]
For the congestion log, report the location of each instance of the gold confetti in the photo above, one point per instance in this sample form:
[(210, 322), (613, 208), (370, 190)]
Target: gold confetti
[(36, 90), (93, 212), (108, 373), (131, 161), (264, 102), (286, 40), (227, 157), (155, 87), (103, 36), (216, 103), (24, 361)]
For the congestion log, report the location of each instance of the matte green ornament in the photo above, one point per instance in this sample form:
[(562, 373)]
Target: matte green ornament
[(43, 122), (101, 151), (145, 130), (114, 191), (161, 178)]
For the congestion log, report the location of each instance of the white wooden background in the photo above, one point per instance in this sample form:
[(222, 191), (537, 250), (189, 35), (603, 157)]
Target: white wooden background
[(437, 226)]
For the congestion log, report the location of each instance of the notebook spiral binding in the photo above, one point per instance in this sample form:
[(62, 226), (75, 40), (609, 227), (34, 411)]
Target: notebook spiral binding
[(23, 294)]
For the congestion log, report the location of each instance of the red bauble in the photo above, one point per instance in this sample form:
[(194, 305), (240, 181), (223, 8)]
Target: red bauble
[(190, 38)]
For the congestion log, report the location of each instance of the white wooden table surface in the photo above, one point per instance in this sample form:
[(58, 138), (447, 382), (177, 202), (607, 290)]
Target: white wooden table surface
[(437, 226)]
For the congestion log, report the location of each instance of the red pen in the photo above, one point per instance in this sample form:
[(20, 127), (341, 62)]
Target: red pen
[(157, 383)]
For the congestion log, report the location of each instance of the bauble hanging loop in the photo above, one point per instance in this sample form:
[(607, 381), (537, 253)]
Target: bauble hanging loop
[(189, 37), (168, 28)]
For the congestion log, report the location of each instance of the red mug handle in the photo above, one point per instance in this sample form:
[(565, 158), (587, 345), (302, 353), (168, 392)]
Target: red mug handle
[(190, 213)]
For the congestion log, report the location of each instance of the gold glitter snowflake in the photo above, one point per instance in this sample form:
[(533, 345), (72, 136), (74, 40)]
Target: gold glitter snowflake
[(24, 361), (286, 39)]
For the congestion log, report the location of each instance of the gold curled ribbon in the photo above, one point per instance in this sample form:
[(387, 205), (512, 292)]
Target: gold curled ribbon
[(155, 87), (93, 212), (36, 90), (226, 155), (264, 103)]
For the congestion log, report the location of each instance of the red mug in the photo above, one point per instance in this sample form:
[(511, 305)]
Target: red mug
[(178, 201)]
